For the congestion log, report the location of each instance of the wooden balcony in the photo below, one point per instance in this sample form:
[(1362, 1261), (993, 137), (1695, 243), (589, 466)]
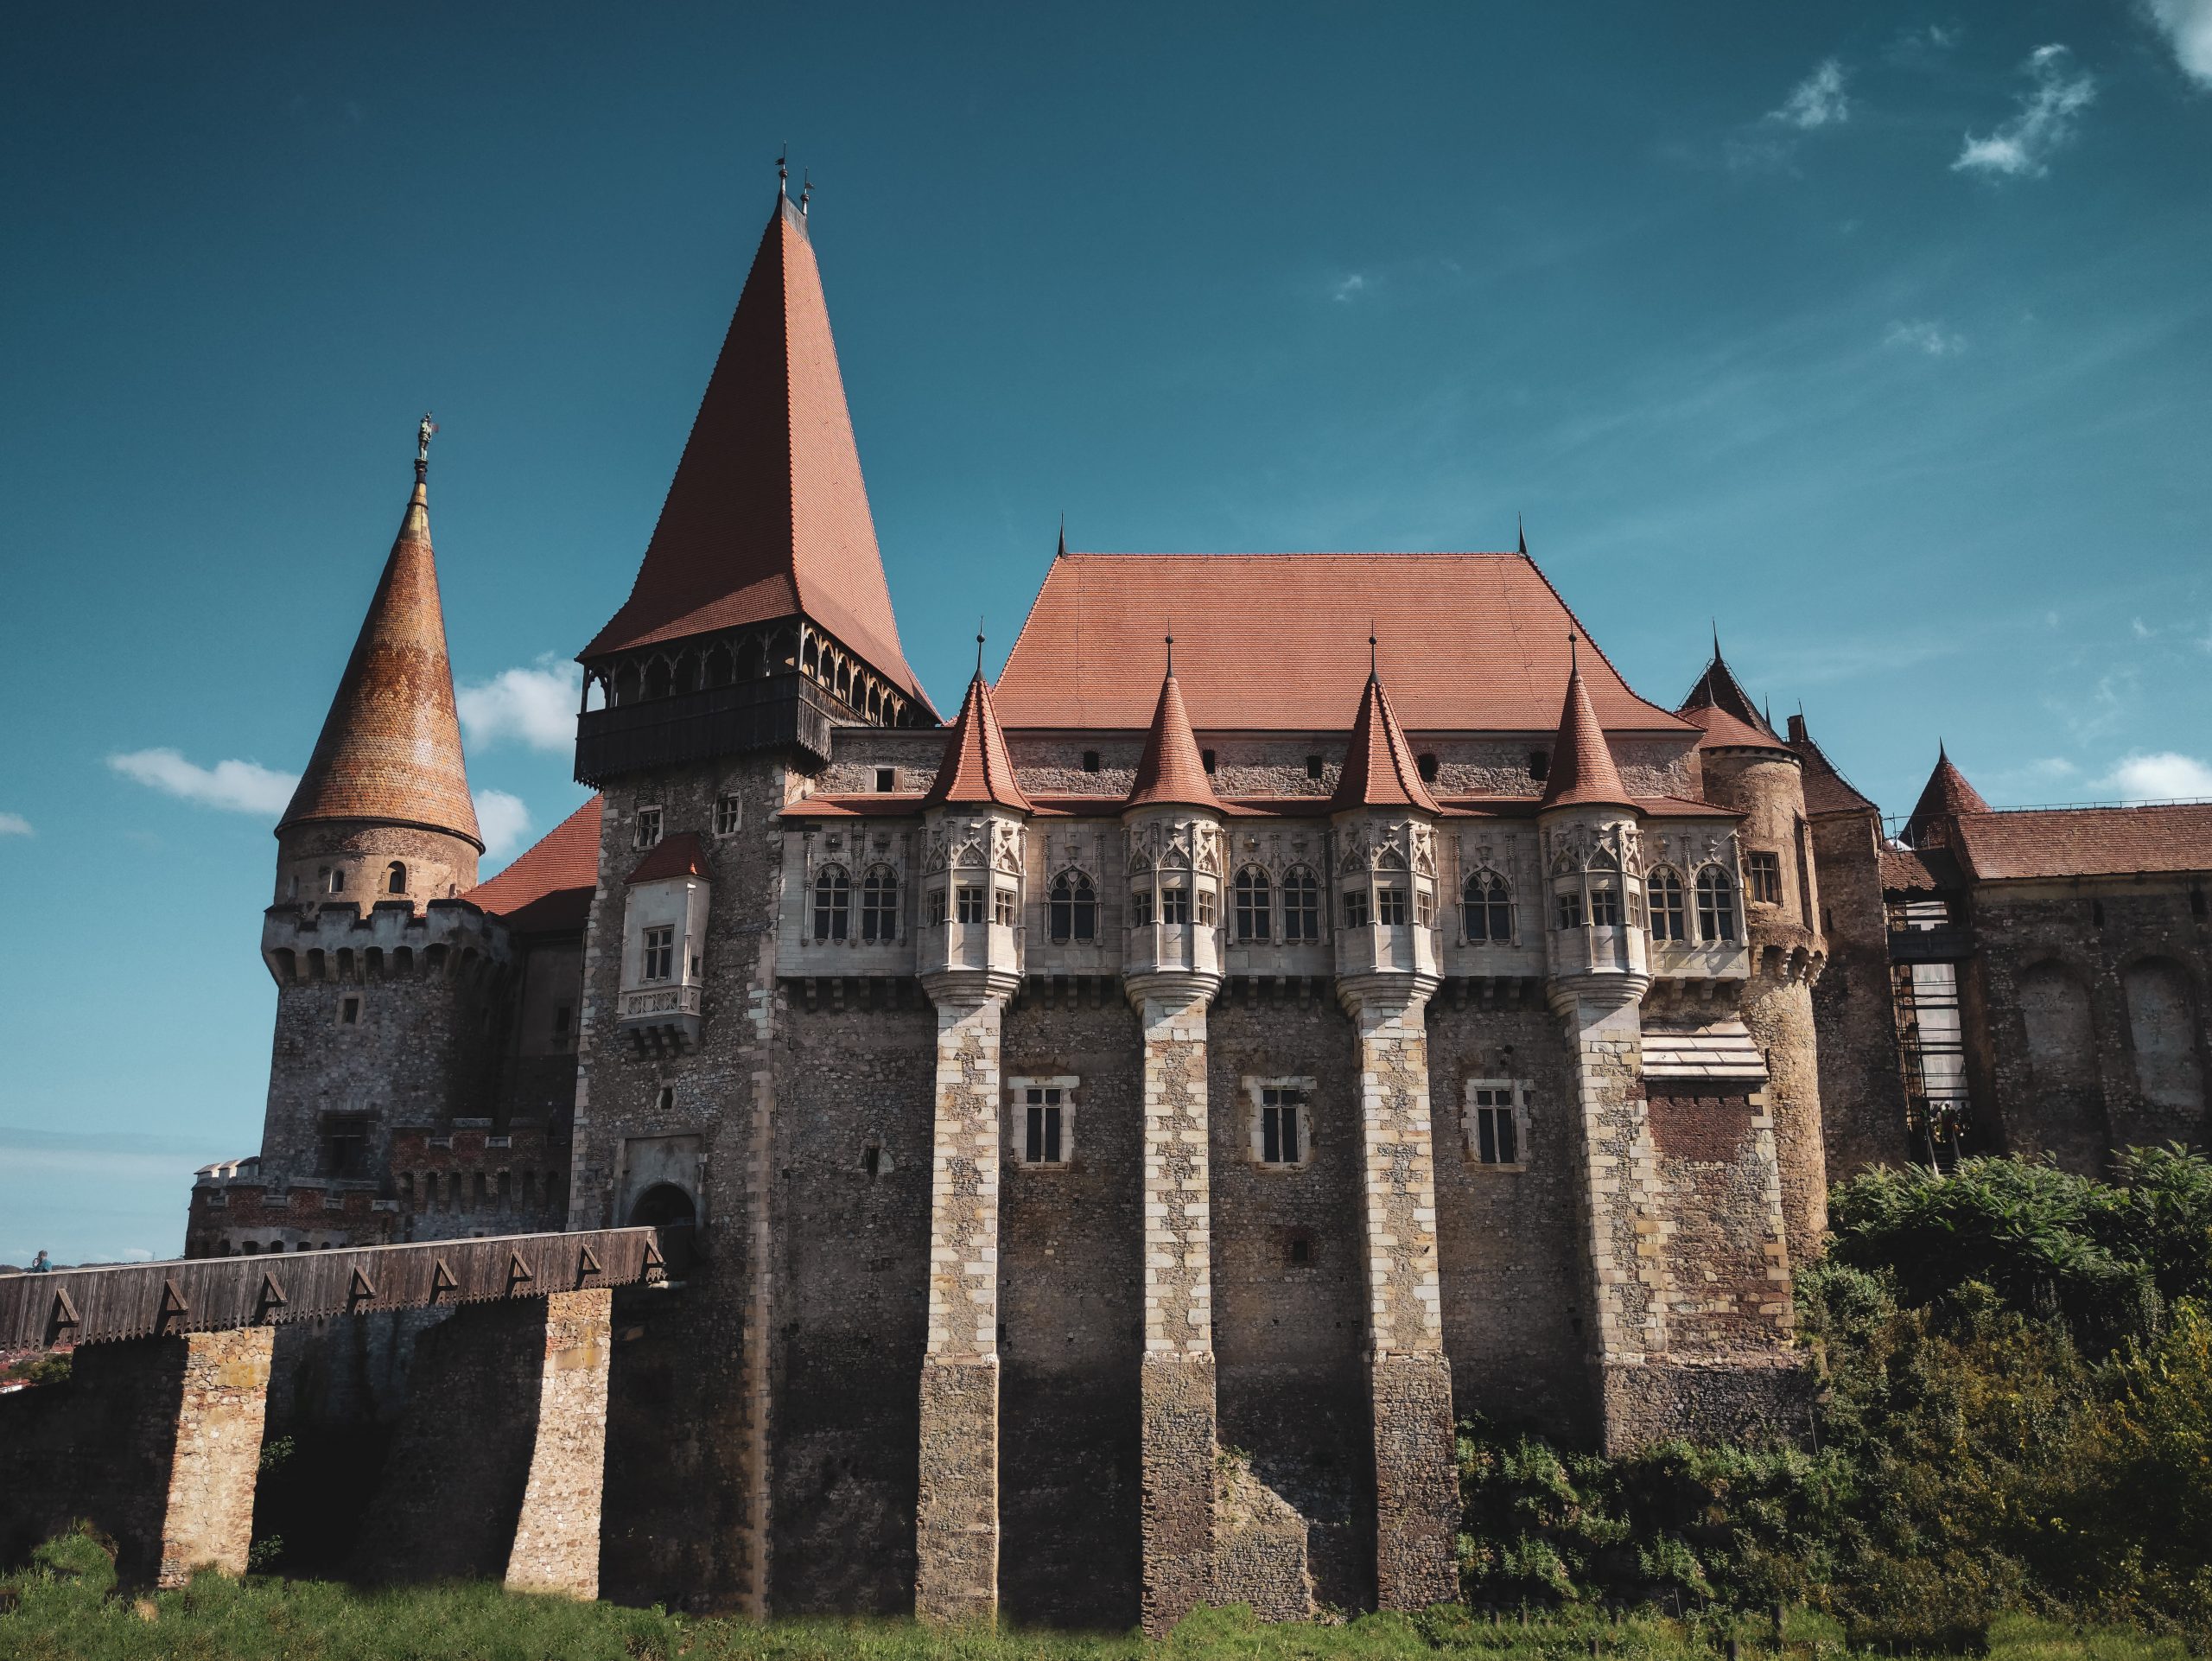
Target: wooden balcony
[(783, 711)]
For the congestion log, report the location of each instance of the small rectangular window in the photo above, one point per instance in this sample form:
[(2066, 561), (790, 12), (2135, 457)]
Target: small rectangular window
[(1391, 907), (1281, 1132), (648, 829), (1205, 907), (1003, 908), (1044, 1123), (1355, 908), (349, 1012), (1424, 908), (1496, 1122), (1539, 766), (886, 779), (969, 901), (1762, 873), (1312, 767), (1174, 905), (1090, 761), (659, 963), (1570, 909), (936, 907), (1605, 908), (1140, 907), (729, 813)]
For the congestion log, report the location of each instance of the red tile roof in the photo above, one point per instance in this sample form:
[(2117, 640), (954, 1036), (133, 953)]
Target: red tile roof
[(2085, 841), (1274, 642), (679, 854), (390, 747), (548, 888), (1726, 731), (1718, 689), (976, 767), (1171, 769), (767, 515), (1946, 795), (1920, 870), (1827, 790), (1582, 770), (1379, 768)]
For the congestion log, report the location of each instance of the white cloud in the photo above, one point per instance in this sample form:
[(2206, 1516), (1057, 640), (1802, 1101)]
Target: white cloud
[(1926, 335), (14, 824), (504, 819), (1922, 48), (237, 786), (535, 706), (2049, 110), (2186, 25), (2157, 776), (1350, 288), (1816, 101)]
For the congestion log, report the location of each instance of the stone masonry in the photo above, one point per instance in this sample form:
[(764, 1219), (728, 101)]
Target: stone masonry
[(556, 1537)]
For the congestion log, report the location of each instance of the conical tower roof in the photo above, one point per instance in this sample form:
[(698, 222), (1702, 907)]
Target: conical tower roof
[(1582, 769), (977, 768), (390, 746), (1718, 689), (1170, 770), (1946, 795), (767, 516), (1379, 767)]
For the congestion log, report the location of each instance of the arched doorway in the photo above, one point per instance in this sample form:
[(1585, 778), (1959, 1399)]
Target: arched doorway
[(668, 1208)]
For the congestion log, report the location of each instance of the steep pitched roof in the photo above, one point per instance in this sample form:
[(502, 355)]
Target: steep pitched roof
[(678, 855), (390, 747), (1827, 790), (1946, 796), (548, 888), (976, 767), (1171, 769), (1379, 767), (1718, 689), (767, 515), (1582, 768), (1482, 638), (1724, 730), (2087, 841)]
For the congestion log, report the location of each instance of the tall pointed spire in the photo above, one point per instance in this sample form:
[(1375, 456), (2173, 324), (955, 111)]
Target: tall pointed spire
[(390, 750), (767, 516), (1379, 766), (1718, 689), (1522, 532), (1582, 770), (977, 768), (1946, 796), (1170, 770)]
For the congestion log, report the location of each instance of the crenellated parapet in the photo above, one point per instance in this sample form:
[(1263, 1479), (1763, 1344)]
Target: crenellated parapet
[(447, 939)]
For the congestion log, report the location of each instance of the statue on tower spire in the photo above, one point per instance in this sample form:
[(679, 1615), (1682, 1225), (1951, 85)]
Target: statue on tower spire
[(422, 447)]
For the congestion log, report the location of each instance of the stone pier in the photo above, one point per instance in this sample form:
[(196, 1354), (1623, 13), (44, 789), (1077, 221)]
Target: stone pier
[(1177, 1378), (1416, 1478), (556, 1537), (957, 1522)]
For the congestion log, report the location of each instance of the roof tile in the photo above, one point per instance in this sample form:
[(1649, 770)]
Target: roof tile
[(1171, 769), (976, 767), (548, 888), (1379, 767)]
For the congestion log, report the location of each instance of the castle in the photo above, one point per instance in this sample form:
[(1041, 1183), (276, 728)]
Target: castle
[(1100, 1146)]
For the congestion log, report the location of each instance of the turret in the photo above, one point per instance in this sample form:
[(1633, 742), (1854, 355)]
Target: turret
[(383, 812), (976, 818), (1748, 767), (1593, 863), (1173, 822), (1945, 797), (1386, 873)]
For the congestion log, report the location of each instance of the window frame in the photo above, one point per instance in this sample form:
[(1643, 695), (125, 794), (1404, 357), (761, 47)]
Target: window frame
[(648, 828), (1257, 1092), (969, 904), (881, 905), (1019, 1090), (1253, 893), (649, 947), (1302, 909), (1718, 923), (1072, 908), (729, 813), (1518, 1092), (1495, 900), (1762, 876), (830, 905), (1667, 905)]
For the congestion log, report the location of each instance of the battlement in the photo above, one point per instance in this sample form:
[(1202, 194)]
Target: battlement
[(447, 939)]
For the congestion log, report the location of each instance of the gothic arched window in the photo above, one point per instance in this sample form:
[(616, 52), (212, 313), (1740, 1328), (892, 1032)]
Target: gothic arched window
[(1487, 909), (1716, 905), (879, 904), (395, 878), (833, 898), (1301, 905), (1669, 917), (718, 665), (1255, 900), (1072, 908)]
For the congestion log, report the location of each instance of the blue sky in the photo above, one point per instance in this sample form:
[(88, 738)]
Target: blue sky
[(1880, 334)]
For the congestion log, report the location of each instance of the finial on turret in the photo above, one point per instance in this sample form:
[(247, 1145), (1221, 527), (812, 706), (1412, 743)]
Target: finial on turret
[(1371, 670), (784, 173), (1171, 657), (805, 192), (1062, 553), (1522, 531), (1716, 639), (979, 648), (422, 447), (1573, 656)]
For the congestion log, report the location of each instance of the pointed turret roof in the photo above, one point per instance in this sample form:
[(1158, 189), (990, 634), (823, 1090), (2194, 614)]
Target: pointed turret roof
[(390, 748), (1170, 769), (1718, 689), (977, 768), (1582, 769), (1946, 795), (767, 516), (1379, 766)]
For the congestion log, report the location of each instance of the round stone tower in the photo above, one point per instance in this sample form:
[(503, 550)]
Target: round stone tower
[(1750, 769), (383, 812)]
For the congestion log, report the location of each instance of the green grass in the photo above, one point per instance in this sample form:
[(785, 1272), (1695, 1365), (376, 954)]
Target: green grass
[(65, 1604)]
